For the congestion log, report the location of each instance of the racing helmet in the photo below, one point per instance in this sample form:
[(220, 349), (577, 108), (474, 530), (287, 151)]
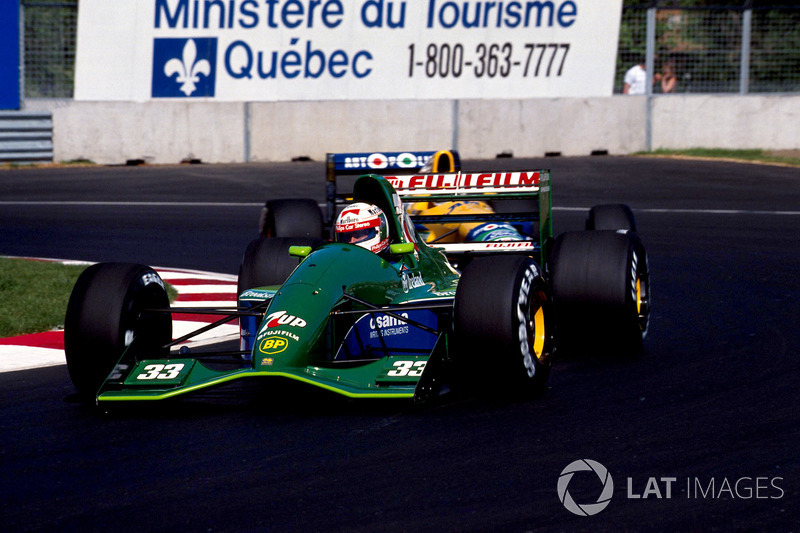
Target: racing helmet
[(363, 224)]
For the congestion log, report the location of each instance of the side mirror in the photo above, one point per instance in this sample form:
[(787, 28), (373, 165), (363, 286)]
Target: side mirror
[(402, 248), (299, 251)]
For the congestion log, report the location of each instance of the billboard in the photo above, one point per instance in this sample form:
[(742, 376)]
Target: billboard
[(270, 50)]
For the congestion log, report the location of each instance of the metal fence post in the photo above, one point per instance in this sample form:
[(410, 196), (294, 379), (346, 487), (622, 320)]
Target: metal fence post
[(650, 53), (247, 132), (454, 138), (744, 69), (649, 68)]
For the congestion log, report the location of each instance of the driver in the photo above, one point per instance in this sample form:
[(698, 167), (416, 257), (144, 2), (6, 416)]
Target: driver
[(465, 231), (364, 225)]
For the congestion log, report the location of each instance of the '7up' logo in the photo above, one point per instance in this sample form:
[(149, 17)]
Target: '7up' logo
[(280, 318), (184, 68)]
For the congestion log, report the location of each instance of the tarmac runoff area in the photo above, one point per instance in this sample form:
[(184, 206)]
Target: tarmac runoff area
[(195, 289)]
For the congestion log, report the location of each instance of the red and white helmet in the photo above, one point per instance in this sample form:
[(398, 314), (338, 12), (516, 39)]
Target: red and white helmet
[(364, 225)]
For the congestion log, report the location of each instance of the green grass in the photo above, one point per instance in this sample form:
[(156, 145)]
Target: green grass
[(754, 156), (34, 294), (13, 165)]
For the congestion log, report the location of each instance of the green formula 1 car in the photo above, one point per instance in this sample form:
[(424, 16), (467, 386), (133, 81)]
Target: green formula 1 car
[(399, 322)]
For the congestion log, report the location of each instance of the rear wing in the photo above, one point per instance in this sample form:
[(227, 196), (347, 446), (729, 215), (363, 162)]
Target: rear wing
[(520, 198), (358, 163)]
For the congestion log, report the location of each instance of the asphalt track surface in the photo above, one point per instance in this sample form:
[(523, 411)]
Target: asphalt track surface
[(707, 415)]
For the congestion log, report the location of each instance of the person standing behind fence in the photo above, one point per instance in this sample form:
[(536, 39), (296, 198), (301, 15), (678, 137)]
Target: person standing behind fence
[(669, 81), (635, 80)]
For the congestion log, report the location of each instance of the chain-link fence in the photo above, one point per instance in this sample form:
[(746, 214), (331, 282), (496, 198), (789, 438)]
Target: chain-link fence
[(730, 49), (713, 50), (49, 48)]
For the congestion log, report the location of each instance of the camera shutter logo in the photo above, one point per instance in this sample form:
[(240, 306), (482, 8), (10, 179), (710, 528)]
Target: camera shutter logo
[(583, 465)]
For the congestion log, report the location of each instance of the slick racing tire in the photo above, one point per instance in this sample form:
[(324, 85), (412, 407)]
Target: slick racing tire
[(266, 261), (601, 291), (611, 216), (105, 317), (504, 325), (295, 217)]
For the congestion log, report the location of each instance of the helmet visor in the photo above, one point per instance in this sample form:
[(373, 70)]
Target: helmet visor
[(356, 236)]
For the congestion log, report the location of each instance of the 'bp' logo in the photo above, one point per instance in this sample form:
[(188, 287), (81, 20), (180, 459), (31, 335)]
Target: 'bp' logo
[(273, 345), (184, 68)]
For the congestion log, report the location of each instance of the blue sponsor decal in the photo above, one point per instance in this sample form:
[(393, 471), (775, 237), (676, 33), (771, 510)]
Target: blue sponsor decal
[(184, 68), (494, 231), (377, 335), (411, 161)]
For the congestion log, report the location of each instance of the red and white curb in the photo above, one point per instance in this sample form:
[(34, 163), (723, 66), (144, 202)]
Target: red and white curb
[(195, 289)]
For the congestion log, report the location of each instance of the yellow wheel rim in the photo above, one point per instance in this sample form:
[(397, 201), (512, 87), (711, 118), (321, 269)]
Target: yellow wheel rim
[(638, 295), (538, 333)]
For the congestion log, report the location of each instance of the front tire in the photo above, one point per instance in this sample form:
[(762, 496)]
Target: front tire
[(292, 217), (105, 317), (503, 324), (266, 261), (611, 216)]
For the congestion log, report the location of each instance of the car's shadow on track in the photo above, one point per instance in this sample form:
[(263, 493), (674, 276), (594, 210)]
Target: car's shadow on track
[(265, 399), (281, 400), (592, 357)]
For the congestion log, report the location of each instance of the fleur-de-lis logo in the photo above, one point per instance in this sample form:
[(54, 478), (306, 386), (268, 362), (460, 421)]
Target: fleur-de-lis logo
[(187, 68)]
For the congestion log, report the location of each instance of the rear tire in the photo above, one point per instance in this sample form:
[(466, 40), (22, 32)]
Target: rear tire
[(294, 217), (503, 325), (611, 216), (601, 290), (104, 317), (266, 261)]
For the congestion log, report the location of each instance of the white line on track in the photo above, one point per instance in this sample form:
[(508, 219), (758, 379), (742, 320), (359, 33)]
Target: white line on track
[(695, 211), (26, 357), (184, 327), (204, 303), (205, 289), (254, 204), (132, 204), (166, 275), (721, 211)]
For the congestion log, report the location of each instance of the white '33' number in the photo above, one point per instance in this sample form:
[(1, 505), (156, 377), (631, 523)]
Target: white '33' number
[(155, 371), (407, 368)]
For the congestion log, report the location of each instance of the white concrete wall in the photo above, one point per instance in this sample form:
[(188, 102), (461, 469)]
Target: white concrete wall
[(719, 121), (281, 131), (168, 132), (158, 132), (531, 128)]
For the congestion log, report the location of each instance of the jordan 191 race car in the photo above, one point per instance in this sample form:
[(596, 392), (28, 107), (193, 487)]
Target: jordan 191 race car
[(406, 322)]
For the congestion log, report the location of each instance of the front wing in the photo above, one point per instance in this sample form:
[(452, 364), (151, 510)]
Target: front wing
[(409, 374)]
